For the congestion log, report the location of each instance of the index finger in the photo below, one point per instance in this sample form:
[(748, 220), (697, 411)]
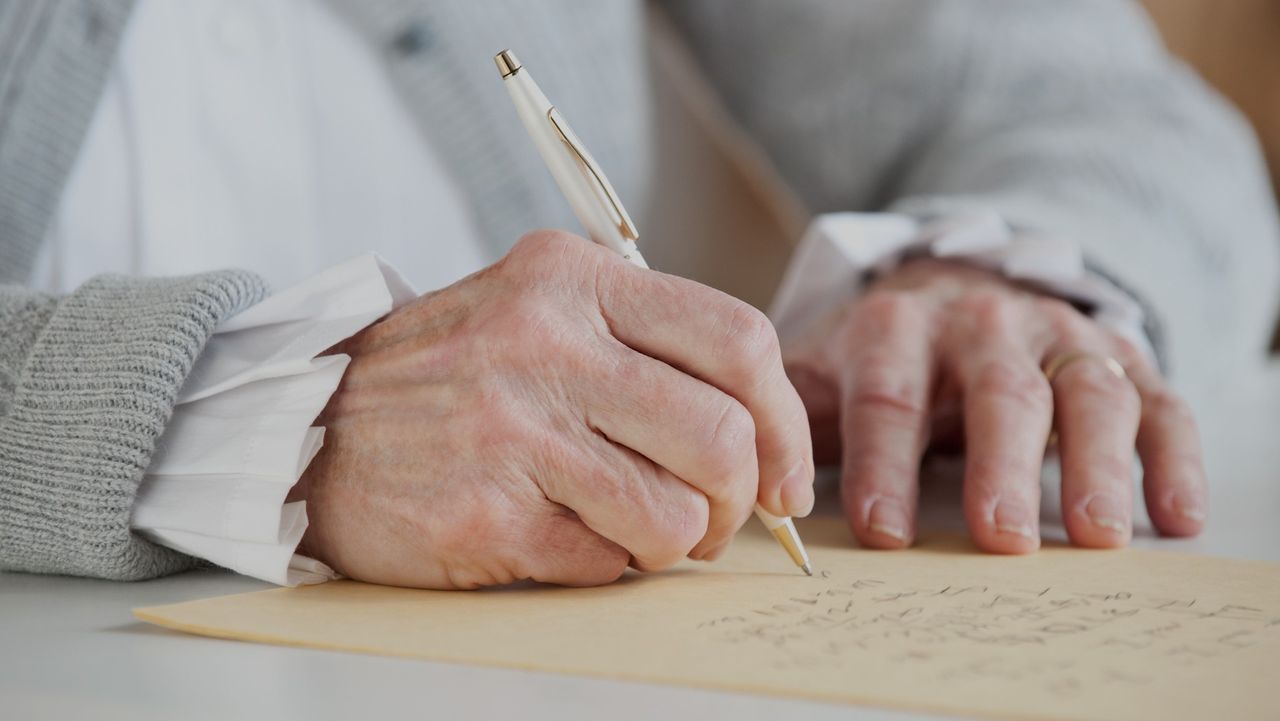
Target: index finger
[(727, 344)]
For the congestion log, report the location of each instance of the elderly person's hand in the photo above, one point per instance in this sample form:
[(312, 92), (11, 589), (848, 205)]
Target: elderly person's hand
[(555, 416), (937, 349)]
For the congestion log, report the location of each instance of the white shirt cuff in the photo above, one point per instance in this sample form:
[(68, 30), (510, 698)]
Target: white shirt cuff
[(840, 251), (241, 434)]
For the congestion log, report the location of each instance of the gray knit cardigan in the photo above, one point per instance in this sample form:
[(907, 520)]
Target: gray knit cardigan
[(1066, 117)]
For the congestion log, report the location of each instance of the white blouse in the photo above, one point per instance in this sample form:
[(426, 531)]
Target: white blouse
[(260, 134)]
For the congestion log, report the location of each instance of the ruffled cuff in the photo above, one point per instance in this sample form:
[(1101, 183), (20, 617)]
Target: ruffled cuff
[(241, 434), (841, 252)]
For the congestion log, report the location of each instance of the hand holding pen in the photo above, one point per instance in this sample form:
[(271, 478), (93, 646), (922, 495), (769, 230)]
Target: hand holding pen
[(597, 206), (557, 416)]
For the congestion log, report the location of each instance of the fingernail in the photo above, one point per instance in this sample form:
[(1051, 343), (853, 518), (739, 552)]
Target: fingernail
[(1015, 518), (888, 518), (1107, 512), (797, 490), (1188, 505)]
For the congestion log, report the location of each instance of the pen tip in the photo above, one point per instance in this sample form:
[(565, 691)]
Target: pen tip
[(507, 63), (808, 571)]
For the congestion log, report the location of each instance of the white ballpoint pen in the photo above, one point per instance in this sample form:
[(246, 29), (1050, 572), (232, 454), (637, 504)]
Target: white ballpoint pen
[(597, 206)]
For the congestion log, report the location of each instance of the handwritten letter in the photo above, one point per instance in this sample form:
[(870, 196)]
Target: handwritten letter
[(1063, 634)]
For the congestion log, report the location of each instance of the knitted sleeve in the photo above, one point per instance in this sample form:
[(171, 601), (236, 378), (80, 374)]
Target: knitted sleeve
[(87, 383)]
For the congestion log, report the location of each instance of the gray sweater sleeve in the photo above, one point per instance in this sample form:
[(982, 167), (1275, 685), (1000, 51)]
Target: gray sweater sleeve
[(1069, 118), (87, 383)]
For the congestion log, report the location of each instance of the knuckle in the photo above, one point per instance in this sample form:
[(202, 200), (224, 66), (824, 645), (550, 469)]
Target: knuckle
[(670, 526), (892, 308), (1019, 383), (880, 389), (1061, 318), (664, 517), (750, 342), (993, 314), (552, 257), (731, 438), (684, 525), (543, 242)]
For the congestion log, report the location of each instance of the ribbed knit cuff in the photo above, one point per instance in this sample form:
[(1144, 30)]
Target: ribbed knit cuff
[(91, 399)]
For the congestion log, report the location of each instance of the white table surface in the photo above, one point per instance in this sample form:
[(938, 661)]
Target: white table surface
[(70, 648)]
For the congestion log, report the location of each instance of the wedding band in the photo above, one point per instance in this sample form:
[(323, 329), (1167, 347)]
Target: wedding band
[(1062, 360)]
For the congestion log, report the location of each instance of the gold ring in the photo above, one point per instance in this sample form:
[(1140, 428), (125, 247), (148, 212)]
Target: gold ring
[(1057, 363), (1062, 360)]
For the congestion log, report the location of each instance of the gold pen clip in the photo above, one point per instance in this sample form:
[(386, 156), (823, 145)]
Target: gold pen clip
[(618, 214)]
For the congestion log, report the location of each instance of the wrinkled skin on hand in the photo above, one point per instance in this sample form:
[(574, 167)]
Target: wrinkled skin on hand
[(938, 351), (557, 416)]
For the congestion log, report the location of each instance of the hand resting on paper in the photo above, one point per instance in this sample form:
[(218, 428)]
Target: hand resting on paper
[(937, 351), (556, 416)]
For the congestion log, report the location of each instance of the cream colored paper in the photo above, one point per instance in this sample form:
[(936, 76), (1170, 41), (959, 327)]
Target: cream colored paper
[(1064, 634)]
